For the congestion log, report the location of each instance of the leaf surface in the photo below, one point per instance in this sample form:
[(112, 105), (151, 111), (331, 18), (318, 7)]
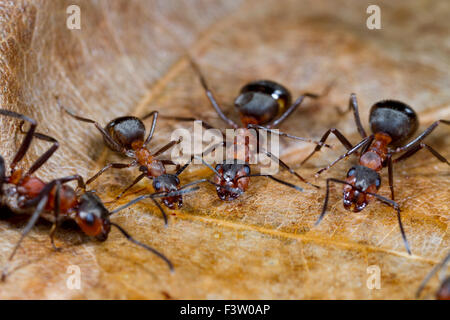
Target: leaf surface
[(128, 58)]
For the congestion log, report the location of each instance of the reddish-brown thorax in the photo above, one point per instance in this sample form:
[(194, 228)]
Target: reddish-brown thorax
[(376, 154), (154, 167)]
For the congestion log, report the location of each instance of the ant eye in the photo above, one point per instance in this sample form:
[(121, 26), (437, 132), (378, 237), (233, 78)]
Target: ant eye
[(247, 170), (377, 183), (157, 185), (89, 218), (351, 172)]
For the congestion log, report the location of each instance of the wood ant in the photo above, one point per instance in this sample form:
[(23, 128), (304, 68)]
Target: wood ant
[(23, 193), (392, 123), (443, 292), (125, 135), (262, 105)]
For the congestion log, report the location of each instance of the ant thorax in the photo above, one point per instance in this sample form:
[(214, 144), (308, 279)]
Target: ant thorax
[(244, 145), (374, 158)]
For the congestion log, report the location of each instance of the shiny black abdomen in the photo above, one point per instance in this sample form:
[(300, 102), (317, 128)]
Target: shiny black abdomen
[(125, 131), (395, 118), (262, 100)]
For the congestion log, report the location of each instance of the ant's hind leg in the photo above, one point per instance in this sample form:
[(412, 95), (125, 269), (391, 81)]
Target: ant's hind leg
[(28, 138), (211, 97), (422, 136), (420, 146), (46, 155), (43, 198), (139, 178), (353, 105), (152, 128), (2, 174), (115, 146), (109, 166)]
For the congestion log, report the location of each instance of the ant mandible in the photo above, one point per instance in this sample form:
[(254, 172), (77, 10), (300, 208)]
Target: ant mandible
[(443, 293), (55, 201), (392, 123), (125, 135), (262, 105)]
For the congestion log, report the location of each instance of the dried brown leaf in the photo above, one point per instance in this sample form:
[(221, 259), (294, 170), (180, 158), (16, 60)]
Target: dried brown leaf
[(127, 59)]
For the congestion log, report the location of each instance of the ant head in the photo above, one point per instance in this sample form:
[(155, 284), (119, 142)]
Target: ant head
[(125, 131), (444, 291), (168, 183), (364, 179), (261, 101), (93, 217), (234, 175), (394, 118)]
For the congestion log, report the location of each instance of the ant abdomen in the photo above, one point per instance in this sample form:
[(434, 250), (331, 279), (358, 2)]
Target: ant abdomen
[(394, 118), (125, 131), (261, 101)]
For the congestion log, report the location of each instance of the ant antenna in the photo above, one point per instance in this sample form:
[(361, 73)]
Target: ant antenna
[(380, 198), (153, 196), (156, 252)]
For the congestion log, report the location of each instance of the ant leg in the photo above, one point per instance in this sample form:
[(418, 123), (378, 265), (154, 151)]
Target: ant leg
[(294, 106), (364, 143), (211, 97), (116, 147), (353, 105), (28, 138), (45, 156), (283, 134), (57, 204), (169, 162), (418, 147), (391, 175), (297, 103), (108, 166), (433, 271), (139, 178), (274, 179), (152, 128), (2, 174), (43, 198), (338, 135), (422, 136), (284, 165), (167, 147), (187, 119)]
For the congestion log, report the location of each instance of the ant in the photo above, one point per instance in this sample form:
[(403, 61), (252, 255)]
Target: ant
[(167, 187), (55, 201), (125, 135), (392, 123), (443, 292), (262, 105)]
